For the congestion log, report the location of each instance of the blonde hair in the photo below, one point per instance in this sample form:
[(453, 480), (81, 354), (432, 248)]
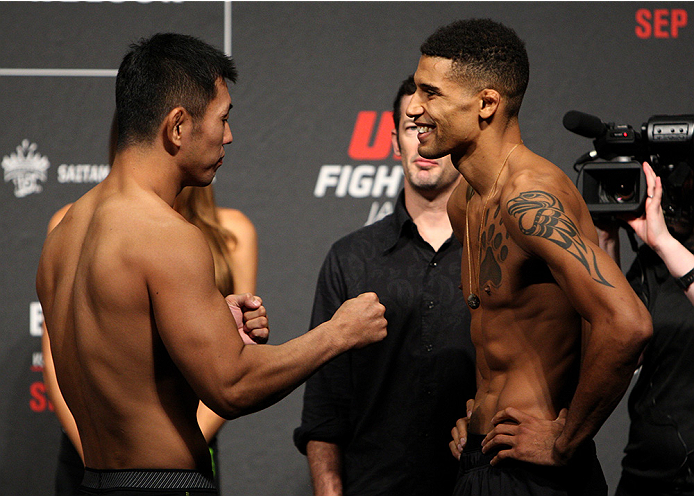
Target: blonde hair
[(198, 206)]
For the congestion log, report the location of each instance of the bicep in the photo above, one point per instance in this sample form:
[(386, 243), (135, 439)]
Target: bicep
[(546, 227), (190, 314)]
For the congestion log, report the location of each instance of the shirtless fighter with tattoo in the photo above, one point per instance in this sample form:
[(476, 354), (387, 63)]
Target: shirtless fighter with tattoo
[(139, 332), (556, 327)]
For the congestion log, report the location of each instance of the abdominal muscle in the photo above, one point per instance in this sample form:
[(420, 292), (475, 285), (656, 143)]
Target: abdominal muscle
[(528, 364)]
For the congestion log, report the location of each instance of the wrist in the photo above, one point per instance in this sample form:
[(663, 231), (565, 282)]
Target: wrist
[(562, 451), (686, 280), (334, 332), (664, 245)]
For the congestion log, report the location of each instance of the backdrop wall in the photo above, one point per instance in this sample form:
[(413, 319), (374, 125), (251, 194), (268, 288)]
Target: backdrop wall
[(309, 162)]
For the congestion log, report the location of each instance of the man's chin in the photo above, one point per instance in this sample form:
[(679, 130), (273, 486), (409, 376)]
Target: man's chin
[(430, 154), (200, 181)]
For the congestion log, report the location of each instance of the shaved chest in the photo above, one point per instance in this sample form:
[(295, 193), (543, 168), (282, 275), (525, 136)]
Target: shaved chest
[(506, 274)]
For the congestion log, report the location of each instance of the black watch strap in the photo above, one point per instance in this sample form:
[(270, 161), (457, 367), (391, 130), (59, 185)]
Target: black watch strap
[(686, 280)]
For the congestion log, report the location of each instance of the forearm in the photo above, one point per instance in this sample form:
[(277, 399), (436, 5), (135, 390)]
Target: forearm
[(325, 464), (607, 368), (264, 374)]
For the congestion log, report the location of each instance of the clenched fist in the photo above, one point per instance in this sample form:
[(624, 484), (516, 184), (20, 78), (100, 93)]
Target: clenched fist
[(361, 320), (250, 316)]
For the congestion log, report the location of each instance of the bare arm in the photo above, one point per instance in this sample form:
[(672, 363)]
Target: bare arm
[(244, 269), (651, 228), (200, 335), (616, 330), (67, 421), (325, 464)]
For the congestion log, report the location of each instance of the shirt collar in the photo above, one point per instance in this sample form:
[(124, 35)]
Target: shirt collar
[(401, 224)]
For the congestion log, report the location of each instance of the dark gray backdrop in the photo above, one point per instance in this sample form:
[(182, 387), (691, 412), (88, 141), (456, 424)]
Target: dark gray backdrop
[(307, 72)]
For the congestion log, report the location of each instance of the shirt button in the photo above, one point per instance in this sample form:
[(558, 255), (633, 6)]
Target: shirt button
[(430, 305), (433, 264)]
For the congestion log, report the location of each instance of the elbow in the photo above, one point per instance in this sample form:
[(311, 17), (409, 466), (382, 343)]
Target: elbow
[(236, 404), (638, 331), (226, 403), (643, 329), (238, 401)]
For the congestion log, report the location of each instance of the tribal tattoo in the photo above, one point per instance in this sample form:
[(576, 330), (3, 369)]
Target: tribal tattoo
[(544, 216)]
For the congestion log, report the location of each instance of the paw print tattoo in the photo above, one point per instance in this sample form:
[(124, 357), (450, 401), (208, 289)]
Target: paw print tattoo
[(493, 251)]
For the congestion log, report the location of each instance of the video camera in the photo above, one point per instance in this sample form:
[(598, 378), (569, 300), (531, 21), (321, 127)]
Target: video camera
[(615, 184)]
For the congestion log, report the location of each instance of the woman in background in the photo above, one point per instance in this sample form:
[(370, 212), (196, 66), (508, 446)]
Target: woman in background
[(233, 242), (659, 455)]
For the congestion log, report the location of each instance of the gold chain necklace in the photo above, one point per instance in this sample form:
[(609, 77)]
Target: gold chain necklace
[(473, 300)]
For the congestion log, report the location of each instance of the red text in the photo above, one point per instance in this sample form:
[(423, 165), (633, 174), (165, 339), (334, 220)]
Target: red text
[(39, 401), (362, 147), (660, 23)]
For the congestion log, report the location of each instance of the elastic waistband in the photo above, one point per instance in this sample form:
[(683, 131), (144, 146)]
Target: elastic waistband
[(474, 442), (145, 479)]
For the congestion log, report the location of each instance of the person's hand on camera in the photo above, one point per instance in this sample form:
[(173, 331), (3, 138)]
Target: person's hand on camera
[(651, 227)]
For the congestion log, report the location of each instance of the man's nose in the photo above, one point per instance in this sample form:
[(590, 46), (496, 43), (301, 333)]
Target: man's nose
[(414, 108)]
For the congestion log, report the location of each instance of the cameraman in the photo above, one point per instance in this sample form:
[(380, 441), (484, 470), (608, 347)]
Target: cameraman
[(659, 456)]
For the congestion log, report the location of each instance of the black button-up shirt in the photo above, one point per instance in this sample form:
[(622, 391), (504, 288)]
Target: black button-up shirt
[(391, 406), (661, 404)]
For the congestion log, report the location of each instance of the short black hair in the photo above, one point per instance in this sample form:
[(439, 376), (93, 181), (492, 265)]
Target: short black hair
[(161, 73), (407, 87), (485, 53)]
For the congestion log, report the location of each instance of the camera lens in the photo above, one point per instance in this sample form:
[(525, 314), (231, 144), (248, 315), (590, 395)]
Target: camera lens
[(618, 189)]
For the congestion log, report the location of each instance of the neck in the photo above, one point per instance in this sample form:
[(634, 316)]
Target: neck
[(429, 213), (149, 170), (481, 162)]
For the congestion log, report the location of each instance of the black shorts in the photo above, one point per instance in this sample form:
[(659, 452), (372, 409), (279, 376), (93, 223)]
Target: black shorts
[(146, 483), (476, 477)]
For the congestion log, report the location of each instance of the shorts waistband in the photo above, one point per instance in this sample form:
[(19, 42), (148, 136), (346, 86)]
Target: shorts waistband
[(145, 479), (474, 442)]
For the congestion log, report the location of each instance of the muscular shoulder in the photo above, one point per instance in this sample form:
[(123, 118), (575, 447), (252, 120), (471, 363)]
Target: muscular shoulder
[(541, 199), (147, 235), (172, 236), (539, 183)]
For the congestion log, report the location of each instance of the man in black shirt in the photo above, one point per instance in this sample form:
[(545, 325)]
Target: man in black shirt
[(377, 421)]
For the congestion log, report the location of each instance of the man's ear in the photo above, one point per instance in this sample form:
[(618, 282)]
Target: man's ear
[(176, 125), (394, 140), (489, 102)]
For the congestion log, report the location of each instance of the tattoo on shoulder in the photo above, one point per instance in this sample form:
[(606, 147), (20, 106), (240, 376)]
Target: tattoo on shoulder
[(542, 214)]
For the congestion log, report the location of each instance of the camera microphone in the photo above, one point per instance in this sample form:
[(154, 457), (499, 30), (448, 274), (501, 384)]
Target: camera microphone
[(585, 125)]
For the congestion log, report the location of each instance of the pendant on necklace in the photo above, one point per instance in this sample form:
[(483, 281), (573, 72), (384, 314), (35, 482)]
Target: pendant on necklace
[(473, 301)]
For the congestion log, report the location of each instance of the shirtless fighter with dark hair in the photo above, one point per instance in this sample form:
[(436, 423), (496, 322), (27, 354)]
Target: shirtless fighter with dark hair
[(556, 327), (139, 332)]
